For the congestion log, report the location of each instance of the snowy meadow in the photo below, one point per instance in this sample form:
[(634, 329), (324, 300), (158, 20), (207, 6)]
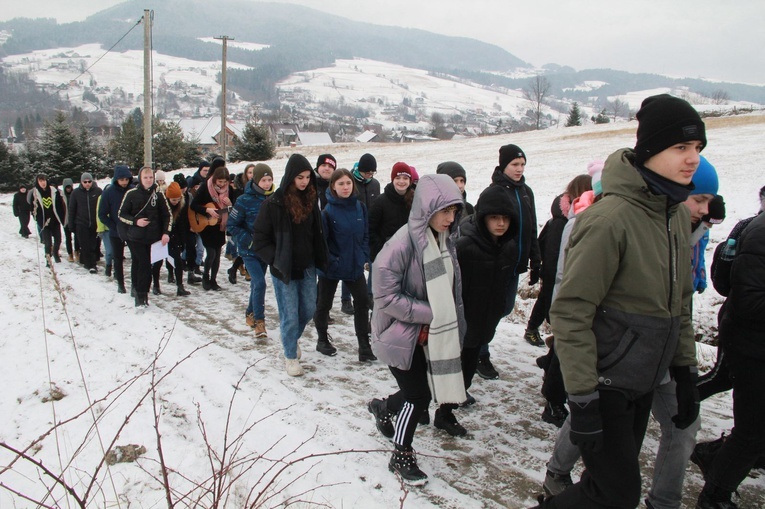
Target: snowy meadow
[(214, 417)]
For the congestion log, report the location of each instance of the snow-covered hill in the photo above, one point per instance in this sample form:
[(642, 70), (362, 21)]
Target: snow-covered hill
[(71, 329)]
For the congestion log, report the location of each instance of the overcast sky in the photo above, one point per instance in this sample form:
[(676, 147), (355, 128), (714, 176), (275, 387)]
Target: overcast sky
[(714, 39)]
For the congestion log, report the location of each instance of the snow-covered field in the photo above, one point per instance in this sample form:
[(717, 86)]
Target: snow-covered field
[(70, 329)]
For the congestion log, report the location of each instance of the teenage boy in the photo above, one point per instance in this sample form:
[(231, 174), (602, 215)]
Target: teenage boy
[(622, 318), (326, 164)]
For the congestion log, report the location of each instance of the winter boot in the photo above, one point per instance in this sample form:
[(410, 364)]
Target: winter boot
[(365, 350), (108, 270), (192, 279), (232, 275), (260, 329), (250, 320), (383, 418), (170, 277), (485, 368), (404, 463), (424, 419), (181, 291), (77, 257), (554, 414), (324, 344), (206, 283), (346, 307), (246, 275), (533, 338), (556, 483), (56, 258), (138, 300), (712, 497), (70, 258), (155, 289), (145, 298), (446, 421), (121, 287), (469, 400), (293, 367), (704, 453), (215, 286)]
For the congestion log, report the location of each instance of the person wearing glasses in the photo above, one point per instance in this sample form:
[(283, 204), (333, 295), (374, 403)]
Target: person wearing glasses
[(82, 220)]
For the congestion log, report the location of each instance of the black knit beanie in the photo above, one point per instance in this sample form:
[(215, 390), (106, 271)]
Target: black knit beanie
[(509, 152), (367, 163), (326, 159), (663, 121), (452, 169), (180, 178)]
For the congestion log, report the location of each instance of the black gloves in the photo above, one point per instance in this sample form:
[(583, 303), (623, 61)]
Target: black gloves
[(687, 395), (534, 275), (716, 214), (586, 426)]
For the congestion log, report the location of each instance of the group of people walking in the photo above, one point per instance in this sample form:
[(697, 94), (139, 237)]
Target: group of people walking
[(619, 262)]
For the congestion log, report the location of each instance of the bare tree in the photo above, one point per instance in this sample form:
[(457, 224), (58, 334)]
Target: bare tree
[(720, 96), (617, 108), (536, 92)]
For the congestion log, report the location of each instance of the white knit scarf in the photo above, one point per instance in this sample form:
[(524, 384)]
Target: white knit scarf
[(443, 348)]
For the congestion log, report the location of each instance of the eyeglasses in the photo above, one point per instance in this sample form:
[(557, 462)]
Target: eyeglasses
[(87, 181)]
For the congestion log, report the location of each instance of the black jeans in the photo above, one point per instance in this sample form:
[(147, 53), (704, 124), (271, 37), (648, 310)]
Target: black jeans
[(118, 258), (140, 270), (746, 442), (541, 310), (412, 398), (326, 294), (717, 380), (51, 238), (612, 475)]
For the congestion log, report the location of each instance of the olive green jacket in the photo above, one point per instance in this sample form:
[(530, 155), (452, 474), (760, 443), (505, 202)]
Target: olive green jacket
[(622, 315)]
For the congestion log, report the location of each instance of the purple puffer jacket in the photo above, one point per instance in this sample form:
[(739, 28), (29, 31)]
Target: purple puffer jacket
[(398, 281)]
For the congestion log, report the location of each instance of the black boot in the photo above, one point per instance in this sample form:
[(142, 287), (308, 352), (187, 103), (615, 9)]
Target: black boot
[(404, 463), (206, 283), (181, 292), (108, 270), (145, 298), (324, 346), (446, 421), (155, 289), (121, 286), (365, 350), (712, 497), (232, 275), (170, 277), (192, 279), (215, 286)]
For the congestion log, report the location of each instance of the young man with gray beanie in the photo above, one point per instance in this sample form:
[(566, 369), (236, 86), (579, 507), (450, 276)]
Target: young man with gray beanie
[(621, 318), (82, 220)]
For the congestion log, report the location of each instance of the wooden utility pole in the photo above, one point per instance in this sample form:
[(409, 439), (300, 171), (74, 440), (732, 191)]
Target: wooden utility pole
[(147, 92), (223, 140)]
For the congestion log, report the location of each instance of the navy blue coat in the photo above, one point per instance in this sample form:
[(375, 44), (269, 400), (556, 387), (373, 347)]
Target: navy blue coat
[(241, 221), (347, 234), (111, 199)]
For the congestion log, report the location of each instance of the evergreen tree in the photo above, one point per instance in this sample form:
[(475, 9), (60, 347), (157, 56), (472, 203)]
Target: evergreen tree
[(574, 116), (127, 146), (254, 145), (12, 172), (58, 152), (169, 147), (19, 130), (602, 117)]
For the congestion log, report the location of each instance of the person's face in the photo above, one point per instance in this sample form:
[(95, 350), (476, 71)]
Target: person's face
[(22, 189), (443, 219), (160, 182), (367, 174), (87, 184), (460, 181), (203, 171), (123, 182), (174, 201), (401, 183), (221, 183), (147, 179), (43, 183), (266, 182), (302, 180), (698, 205), (248, 173), (497, 224), (514, 169), (325, 171), (677, 163), (343, 186)]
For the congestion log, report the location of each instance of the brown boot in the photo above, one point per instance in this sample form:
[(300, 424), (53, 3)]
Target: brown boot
[(260, 329), (250, 320)]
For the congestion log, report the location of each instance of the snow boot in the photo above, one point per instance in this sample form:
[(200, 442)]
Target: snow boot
[(170, 277), (533, 338), (712, 497), (554, 414), (108, 270), (192, 279), (383, 418), (324, 344), (155, 289), (215, 286), (181, 291), (206, 283), (403, 462), (485, 368), (232, 275), (446, 421), (365, 350), (260, 329), (346, 306)]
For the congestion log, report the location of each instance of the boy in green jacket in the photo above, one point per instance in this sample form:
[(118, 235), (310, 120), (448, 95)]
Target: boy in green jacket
[(622, 316)]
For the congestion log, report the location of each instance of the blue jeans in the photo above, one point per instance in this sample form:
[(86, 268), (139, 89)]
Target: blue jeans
[(297, 304), (257, 270), (106, 240), (200, 251)]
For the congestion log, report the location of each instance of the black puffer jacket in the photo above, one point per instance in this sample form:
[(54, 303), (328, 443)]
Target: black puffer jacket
[(388, 213), (140, 202), (486, 266), (521, 199), (82, 207), (742, 328), (550, 239)]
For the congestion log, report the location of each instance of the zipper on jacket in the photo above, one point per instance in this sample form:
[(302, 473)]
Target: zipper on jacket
[(520, 230), (672, 263)]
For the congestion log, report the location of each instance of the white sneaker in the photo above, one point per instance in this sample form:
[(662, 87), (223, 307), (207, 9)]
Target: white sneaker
[(293, 367)]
